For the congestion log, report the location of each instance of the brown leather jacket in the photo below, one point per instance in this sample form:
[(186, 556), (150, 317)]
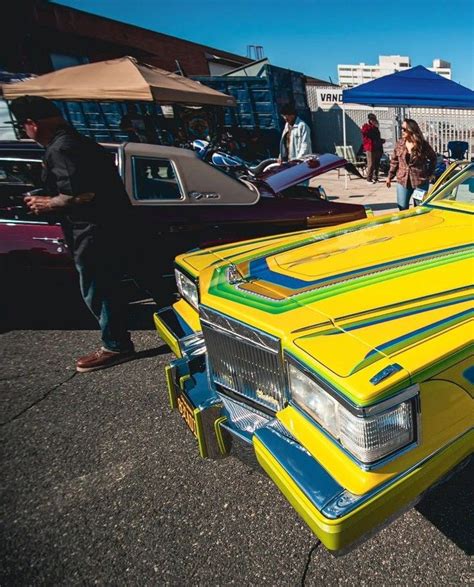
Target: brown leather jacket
[(417, 170)]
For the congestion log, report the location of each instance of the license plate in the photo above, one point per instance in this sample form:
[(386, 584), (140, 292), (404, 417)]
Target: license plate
[(187, 413), (203, 422)]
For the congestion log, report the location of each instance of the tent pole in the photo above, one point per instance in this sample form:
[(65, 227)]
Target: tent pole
[(344, 140)]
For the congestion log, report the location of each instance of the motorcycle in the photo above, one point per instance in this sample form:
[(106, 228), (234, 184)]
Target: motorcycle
[(216, 153)]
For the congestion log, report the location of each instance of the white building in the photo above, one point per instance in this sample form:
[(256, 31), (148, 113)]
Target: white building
[(353, 75)]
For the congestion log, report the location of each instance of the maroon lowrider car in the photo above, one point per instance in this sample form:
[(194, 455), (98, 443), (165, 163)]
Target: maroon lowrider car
[(180, 201)]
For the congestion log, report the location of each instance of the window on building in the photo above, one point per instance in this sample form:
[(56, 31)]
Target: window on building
[(60, 60)]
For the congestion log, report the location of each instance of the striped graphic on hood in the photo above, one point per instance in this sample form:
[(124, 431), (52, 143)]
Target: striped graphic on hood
[(275, 293)]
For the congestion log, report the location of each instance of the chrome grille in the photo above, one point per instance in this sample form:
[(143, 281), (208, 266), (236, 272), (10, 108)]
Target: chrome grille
[(244, 360), (242, 416)]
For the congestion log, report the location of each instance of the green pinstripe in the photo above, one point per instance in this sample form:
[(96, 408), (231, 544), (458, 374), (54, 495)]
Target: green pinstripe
[(221, 288)]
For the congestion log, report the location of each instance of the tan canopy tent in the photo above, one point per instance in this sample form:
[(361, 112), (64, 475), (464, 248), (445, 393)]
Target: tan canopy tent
[(118, 80)]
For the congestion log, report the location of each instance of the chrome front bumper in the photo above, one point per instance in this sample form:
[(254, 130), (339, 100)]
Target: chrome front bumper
[(223, 425)]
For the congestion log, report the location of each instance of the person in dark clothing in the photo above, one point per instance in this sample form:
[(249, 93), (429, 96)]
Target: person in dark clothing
[(373, 147), (84, 188), (133, 123)]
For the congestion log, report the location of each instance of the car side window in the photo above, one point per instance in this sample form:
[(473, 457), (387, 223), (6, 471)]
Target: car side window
[(155, 179), (16, 178), (462, 191)]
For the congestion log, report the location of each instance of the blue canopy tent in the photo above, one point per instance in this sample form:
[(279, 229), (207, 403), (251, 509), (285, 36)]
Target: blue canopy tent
[(412, 87)]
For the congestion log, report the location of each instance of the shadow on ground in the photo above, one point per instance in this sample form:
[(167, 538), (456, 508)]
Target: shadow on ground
[(449, 507), (63, 311), (32, 300)]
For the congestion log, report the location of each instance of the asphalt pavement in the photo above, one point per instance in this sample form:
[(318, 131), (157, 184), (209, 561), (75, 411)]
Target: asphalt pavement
[(102, 484)]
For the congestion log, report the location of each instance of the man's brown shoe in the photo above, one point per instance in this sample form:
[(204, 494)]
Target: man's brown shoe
[(102, 359)]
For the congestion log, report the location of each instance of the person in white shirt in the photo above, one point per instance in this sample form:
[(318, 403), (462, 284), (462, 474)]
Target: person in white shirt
[(295, 140)]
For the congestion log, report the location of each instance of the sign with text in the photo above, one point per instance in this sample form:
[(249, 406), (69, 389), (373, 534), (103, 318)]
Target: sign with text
[(329, 97)]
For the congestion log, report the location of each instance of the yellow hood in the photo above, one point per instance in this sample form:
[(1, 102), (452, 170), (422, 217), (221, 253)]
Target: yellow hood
[(362, 301)]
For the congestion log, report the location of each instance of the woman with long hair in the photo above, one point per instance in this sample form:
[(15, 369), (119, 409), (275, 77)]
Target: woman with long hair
[(413, 161)]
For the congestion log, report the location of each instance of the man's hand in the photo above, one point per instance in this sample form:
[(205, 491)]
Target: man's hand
[(44, 204), (38, 204), (388, 183)]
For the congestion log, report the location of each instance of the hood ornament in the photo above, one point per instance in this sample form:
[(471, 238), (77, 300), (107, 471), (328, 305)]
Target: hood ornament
[(233, 275)]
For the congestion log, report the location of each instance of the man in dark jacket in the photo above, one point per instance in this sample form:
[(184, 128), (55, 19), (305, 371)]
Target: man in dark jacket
[(373, 147), (84, 188)]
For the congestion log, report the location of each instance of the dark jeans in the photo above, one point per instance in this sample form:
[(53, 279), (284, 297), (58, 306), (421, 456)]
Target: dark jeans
[(100, 279), (373, 163), (102, 262)]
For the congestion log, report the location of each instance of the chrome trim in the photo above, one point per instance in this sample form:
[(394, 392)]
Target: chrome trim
[(239, 329), (355, 409), (244, 362), (120, 161), (192, 345), (54, 241), (16, 221), (384, 405), (241, 447), (21, 160), (246, 418)]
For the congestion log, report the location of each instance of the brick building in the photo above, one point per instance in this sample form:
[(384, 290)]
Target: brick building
[(40, 36)]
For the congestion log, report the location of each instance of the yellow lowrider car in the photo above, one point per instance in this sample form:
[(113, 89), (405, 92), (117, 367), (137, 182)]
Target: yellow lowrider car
[(342, 358)]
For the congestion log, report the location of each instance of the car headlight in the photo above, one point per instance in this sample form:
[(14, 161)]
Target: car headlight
[(187, 288), (370, 435)]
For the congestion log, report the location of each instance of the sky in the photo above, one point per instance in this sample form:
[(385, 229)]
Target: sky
[(312, 36)]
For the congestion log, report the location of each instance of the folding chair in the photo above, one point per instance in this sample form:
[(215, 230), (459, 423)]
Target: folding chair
[(347, 153), (457, 150)]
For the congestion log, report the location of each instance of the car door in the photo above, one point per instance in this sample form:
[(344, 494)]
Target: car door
[(182, 201), (27, 242)]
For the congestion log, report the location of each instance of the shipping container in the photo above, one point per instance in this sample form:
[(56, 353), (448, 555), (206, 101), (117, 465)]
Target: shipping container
[(260, 97)]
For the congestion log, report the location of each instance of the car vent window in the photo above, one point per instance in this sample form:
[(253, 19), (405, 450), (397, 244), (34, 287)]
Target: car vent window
[(26, 173), (155, 179), (16, 178)]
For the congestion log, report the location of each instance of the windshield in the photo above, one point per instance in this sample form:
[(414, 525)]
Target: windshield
[(457, 192)]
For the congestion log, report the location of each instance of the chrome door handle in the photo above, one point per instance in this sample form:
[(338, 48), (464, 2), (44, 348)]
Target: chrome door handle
[(53, 241)]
